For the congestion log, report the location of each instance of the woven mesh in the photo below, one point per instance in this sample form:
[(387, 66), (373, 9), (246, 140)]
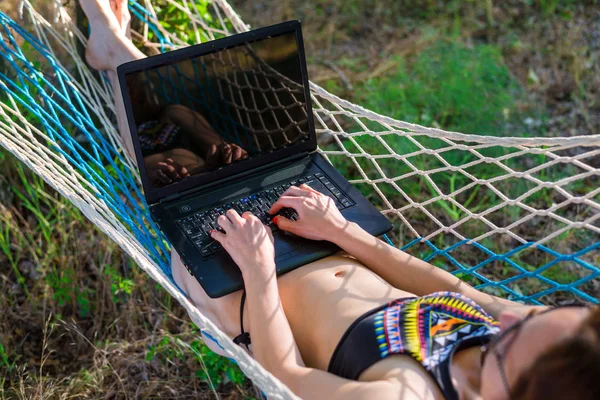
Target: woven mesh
[(518, 217), (257, 108)]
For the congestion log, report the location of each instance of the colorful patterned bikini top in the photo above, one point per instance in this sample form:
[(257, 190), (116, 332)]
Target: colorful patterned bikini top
[(430, 329), (156, 136)]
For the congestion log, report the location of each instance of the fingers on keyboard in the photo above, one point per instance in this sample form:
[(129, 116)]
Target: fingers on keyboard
[(197, 227)]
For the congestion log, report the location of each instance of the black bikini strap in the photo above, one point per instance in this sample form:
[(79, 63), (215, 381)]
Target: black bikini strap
[(244, 337)]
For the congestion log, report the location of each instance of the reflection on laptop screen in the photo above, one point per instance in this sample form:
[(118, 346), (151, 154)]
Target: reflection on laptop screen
[(211, 111)]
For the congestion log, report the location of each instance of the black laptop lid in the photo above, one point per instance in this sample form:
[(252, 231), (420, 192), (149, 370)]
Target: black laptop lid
[(204, 113)]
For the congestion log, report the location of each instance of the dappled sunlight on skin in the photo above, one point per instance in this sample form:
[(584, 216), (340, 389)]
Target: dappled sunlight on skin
[(350, 295), (320, 300), (318, 218), (293, 290), (346, 263), (227, 308)]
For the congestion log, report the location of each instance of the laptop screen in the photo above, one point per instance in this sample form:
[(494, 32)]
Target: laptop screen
[(214, 111)]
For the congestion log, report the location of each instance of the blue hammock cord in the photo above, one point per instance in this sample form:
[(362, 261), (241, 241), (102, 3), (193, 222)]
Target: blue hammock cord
[(53, 101)]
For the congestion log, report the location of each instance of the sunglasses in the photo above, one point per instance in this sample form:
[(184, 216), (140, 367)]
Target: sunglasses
[(511, 335)]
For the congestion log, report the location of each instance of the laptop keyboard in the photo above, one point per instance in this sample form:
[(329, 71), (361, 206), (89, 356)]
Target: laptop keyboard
[(197, 226)]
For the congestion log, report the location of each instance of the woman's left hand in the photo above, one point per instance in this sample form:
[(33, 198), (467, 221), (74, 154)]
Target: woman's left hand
[(250, 244)]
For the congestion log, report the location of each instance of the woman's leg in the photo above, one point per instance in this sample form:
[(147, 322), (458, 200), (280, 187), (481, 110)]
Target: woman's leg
[(108, 47), (196, 127), (224, 311)]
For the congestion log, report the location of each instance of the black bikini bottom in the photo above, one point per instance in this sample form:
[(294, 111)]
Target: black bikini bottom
[(358, 349)]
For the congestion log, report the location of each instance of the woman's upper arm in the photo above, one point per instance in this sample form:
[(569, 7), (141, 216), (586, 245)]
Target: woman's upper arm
[(311, 383), (495, 305)]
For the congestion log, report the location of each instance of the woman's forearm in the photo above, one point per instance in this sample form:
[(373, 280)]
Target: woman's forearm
[(275, 349), (410, 273), (273, 343), (395, 266)]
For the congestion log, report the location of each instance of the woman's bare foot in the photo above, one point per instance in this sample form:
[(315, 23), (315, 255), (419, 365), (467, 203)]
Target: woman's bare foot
[(108, 45), (119, 8)]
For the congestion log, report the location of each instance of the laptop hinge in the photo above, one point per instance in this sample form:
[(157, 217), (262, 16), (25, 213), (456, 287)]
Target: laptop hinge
[(172, 196), (240, 175)]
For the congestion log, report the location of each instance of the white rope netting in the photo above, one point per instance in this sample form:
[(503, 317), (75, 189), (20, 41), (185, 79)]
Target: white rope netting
[(250, 103), (442, 190)]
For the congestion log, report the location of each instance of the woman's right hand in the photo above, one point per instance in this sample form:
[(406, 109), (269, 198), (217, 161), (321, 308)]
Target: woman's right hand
[(318, 217)]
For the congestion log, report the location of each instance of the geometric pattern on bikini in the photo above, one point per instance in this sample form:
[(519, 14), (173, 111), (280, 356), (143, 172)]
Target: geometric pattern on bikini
[(429, 327), (155, 135)]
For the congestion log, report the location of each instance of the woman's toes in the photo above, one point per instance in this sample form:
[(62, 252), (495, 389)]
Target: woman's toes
[(115, 6), (119, 8), (108, 38)]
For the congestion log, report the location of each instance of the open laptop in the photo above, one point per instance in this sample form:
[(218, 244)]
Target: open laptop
[(234, 118)]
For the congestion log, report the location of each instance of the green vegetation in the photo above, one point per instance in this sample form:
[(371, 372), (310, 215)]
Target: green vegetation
[(464, 72), (68, 286), (177, 20), (450, 85), (447, 85), (81, 320)]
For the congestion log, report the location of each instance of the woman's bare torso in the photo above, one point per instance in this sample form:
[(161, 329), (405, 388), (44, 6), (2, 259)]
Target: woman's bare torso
[(321, 300)]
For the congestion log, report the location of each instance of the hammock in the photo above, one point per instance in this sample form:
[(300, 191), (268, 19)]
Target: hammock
[(58, 119)]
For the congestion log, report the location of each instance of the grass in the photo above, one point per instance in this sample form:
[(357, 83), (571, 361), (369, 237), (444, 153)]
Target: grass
[(445, 78), (447, 85), (81, 320), (176, 20), (454, 87), (69, 286), (450, 85)]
